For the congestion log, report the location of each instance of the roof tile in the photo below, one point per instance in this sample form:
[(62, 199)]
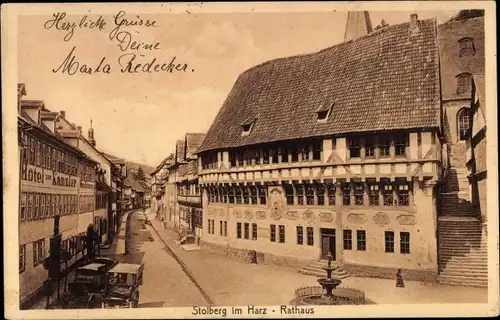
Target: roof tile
[(389, 72)]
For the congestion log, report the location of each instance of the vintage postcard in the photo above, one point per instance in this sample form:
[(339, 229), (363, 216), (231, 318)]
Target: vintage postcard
[(250, 160)]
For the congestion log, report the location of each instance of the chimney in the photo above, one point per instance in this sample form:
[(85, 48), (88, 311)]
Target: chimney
[(80, 129), (413, 21), (62, 113), (358, 24)]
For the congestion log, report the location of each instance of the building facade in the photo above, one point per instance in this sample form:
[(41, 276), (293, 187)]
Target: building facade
[(57, 179), (336, 152), (189, 202), (103, 215), (159, 197)]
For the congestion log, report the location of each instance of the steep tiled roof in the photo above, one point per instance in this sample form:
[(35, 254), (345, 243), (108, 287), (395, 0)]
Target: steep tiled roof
[(180, 151), (386, 80), (32, 104), (167, 161), (451, 63), (134, 184), (113, 159), (193, 142)]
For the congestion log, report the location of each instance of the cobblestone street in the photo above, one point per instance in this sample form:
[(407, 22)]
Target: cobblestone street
[(165, 284)]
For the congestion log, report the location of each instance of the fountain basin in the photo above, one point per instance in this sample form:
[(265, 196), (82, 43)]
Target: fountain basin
[(341, 296), (329, 283)]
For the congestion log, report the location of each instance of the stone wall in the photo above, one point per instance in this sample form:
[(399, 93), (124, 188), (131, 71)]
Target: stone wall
[(390, 273), (245, 256)]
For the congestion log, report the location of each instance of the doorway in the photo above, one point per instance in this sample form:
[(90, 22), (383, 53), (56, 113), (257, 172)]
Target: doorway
[(328, 243)]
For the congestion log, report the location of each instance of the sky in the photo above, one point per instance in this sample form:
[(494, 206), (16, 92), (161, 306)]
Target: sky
[(140, 116)]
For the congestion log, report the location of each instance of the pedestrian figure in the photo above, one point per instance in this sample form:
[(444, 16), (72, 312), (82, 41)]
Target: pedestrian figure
[(399, 280)]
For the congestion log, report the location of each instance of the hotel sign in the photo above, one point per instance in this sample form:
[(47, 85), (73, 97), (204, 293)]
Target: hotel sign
[(47, 177)]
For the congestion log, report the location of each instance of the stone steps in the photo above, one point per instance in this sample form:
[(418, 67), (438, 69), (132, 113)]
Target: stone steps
[(453, 280), (316, 269), (453, 268), (462, 255)]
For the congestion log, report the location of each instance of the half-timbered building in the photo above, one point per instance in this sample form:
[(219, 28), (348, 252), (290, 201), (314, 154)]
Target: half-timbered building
[(335, 152)]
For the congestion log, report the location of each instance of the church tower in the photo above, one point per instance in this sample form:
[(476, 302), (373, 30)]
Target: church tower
[(91, 135), (358, 24)]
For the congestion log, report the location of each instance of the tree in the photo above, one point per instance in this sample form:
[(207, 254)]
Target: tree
[(382, 24), (140, 175)]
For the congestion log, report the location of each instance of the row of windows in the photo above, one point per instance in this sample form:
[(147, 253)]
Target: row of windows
[(73, 245), (404, 241), (356, 193), (40, 154), (188, 190), (238, 195), (310, 235), (222, 227), (360, 240), (246, 233), (305, 151), (369, 147), (35, 206), (374, 147)]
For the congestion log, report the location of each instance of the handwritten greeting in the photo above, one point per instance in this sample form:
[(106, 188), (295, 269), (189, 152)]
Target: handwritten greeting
[(136, 56)]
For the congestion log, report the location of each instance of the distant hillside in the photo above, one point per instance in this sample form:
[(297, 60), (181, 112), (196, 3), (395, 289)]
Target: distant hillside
[(135, 166), (132, 165)]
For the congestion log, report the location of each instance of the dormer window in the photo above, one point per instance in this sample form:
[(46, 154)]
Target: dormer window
[(464, 83), (324, 112), (466, 47), (247, 126)]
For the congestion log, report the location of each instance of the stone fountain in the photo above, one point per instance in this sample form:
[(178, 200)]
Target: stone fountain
[(328, 284), (329, 293)]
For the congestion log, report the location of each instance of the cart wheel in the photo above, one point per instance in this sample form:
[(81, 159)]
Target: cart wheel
[(91, 302)]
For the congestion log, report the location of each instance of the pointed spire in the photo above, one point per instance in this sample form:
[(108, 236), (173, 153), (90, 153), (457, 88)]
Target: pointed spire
[(358, 24), (91, 134)]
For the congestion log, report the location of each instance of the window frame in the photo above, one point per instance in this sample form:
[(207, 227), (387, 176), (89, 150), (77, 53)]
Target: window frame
[(310, 236), (254, 231), (290, 198), (238, 230), (464, 83), (300, 235), (373, 194), (359, 193), (464, 124), (354, 145), (272, 233), (347, 239), (22, 258), (466, 47), (361, 240), (282, 234), (346, 194), (389, 241), (246, 231), (404, 244)]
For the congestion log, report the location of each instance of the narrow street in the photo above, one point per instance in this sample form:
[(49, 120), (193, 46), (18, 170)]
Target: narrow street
[(165, 284)]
